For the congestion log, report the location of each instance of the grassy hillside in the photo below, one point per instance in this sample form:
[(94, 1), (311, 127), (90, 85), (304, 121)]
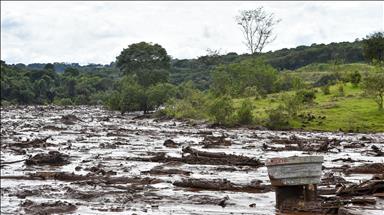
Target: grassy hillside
[(199, 70), (313, 72), (352, 112)]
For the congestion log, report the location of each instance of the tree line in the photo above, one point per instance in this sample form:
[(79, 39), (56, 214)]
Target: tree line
[(144, 77)]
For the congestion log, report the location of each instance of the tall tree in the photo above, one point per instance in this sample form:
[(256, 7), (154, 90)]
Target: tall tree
[(257, 27), (373, 46), (148, 63)]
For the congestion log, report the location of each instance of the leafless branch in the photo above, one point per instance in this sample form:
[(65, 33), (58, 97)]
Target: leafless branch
[(257, 27)]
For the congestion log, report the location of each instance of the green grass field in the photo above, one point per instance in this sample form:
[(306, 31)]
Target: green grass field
[(351, 112), (314, 72)]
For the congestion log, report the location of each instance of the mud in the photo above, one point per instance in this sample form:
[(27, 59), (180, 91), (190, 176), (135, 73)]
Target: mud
[(374, 168), (222, 185), (87, 160), (50, 158), (57, 207)]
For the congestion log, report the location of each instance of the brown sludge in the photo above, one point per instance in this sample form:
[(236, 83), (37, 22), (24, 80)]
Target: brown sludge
[(50, 158), (194, 156), (57, 207), (222, 185)]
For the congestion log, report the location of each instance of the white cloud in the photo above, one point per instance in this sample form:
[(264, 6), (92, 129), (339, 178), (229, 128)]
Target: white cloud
[(96, 32)]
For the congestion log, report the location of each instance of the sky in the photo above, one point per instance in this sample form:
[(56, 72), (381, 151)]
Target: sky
[(96, 32)]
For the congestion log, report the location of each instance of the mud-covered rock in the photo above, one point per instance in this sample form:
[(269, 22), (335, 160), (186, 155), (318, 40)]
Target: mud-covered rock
[(374, 168), (50, 158), (170, 143), (58, 207)]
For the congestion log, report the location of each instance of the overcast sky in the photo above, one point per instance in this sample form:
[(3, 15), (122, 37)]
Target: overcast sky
[(96, 32)]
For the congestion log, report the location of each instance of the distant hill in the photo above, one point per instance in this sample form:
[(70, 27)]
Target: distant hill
[(60, 67), (198, 70)]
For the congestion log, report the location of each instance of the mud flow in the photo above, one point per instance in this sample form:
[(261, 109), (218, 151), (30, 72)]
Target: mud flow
[(87, 160)]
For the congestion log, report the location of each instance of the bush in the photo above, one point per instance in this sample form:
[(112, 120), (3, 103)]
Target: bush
[(244, 115), (184, 109), (373, 85), (5, 103), (355, 78), (63, 102), (325, 89), (278, 119), (252, 92), (220, 110), (158, 94), (190, 103), (114, 100), (133, 98), (326, 80), (292, 104), (307, 96), (340, 89)]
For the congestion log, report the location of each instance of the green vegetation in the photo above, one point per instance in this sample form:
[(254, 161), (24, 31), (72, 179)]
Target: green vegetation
[(320, 87), (373, 46), (374, 87), (45, 86), (144, 86), (355, 112)]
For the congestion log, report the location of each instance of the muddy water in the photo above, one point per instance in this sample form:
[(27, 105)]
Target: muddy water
[(96, 139)]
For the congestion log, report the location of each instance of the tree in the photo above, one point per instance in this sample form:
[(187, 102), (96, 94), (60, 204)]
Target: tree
[(373, 47), (148, 63), (70, 71), (257, 27), (234, 79), (373, 84), (49, 66)]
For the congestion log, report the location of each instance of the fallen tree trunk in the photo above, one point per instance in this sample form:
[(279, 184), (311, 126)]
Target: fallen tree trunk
[(366, 188), (222, 185), (71, 177), (206, 158)]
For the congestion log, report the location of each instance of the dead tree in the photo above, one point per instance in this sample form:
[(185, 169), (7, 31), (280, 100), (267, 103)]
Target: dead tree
[(257, 27)]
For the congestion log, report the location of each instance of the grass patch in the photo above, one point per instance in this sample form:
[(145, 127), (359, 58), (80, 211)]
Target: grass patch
[(353, 112)]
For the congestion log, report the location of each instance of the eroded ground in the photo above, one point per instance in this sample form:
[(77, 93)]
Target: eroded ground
[(87, 160)]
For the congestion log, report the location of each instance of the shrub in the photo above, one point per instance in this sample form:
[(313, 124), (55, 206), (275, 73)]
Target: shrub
[(114, 100), (220, 110), (326, 80), (307, 96), (252, 92), (373, 85), (340, 89), (325, 89), (355, 78), (278, 119), (292, 104), (191, 104), (5, 103), (244, 114), (63, 102), (158, 94)]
